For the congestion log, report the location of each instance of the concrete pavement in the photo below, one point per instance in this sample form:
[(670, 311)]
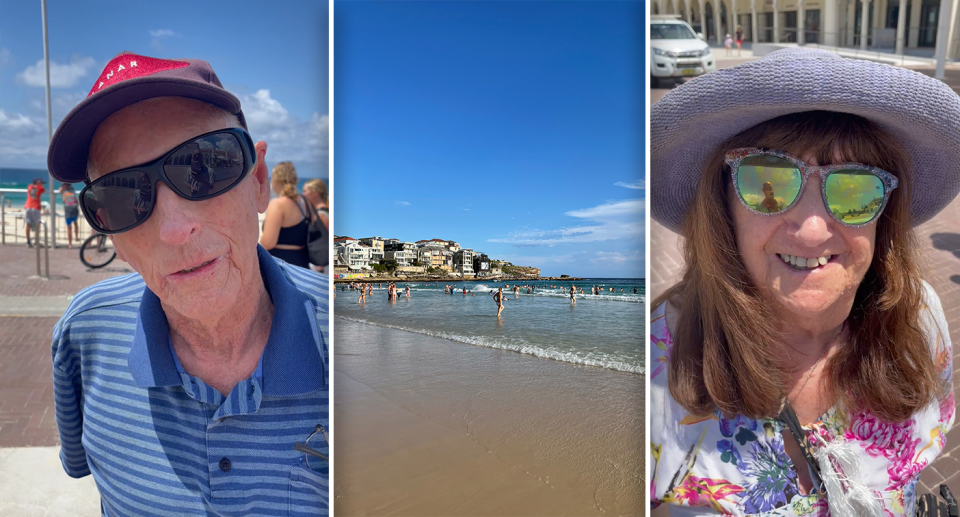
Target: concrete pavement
[(32, 482)]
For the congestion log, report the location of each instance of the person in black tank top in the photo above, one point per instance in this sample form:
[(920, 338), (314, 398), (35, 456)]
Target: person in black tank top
[(284, 182)]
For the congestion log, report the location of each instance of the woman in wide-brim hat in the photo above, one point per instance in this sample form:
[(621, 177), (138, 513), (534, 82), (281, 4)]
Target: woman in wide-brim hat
[(801, 366)]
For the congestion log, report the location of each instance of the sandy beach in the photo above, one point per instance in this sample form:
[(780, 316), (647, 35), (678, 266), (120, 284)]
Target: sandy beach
[(427, 426)]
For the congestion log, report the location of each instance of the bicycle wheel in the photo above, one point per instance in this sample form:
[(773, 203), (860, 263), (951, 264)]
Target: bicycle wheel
[(94, 253)]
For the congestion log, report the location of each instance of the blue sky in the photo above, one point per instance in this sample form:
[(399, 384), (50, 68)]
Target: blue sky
[(514, 128), (274, 57)]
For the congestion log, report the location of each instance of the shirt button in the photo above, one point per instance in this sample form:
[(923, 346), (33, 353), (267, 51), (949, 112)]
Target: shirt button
[(225, 465)]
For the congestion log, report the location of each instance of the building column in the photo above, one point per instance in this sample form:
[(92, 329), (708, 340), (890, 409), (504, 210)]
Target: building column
[(735, 21), (901, 25), (776, 23), (801, 23), (753, 21), (716, 22), (914, 39), (703, 20), (828, 23), (944, 24), (851, 18), (864, 24)]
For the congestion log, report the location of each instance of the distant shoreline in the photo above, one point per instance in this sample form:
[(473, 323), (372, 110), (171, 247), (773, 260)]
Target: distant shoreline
[(428, 279)]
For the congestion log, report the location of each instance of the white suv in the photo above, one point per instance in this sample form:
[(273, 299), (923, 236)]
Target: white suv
[(677, 51)]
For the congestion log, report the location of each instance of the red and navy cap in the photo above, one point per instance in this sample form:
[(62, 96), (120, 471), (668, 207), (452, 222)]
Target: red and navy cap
[(128, 79)]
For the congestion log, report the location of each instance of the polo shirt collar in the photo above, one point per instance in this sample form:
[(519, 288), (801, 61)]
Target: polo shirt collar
[(291, 361)]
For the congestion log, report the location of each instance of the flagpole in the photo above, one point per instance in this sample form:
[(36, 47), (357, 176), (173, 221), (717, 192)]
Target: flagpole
[(52, 193)]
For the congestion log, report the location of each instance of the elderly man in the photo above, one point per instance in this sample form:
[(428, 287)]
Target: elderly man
[(199, 385)]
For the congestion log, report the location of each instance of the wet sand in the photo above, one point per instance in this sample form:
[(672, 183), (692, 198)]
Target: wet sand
[(426, 426)]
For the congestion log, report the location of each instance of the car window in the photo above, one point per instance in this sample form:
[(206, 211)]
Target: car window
[(670, 31)]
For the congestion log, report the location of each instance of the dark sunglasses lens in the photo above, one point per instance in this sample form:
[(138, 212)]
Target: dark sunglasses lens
[(854, 196), (206, 166), (767, 183), (118, 201)]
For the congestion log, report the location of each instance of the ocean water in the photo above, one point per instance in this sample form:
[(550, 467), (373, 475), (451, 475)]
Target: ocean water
[(21, 179), (605, 331)]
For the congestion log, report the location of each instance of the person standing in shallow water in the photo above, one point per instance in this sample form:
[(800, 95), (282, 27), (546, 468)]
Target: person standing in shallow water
[(498, 297)]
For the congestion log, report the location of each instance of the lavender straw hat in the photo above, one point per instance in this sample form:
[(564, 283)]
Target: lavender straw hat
[(688, 123)]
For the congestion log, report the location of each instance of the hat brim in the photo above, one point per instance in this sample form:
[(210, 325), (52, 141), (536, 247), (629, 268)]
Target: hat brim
[(689, 123), (70, 145)]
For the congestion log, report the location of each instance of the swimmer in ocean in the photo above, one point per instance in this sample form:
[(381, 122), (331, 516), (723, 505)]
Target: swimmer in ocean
[(363, 296), (573, 294)]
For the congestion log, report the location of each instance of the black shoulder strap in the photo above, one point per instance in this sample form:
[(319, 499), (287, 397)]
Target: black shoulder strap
[(789, 418), (309, 210)]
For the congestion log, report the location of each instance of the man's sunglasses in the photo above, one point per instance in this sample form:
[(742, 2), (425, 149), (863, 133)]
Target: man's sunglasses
[(770, 182), (200, 168)]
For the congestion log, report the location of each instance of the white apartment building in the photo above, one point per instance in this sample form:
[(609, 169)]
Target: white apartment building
[(353, 255), (376, 248), (463, 262)]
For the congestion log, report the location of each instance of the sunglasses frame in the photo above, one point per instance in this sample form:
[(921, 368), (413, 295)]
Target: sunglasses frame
[(734, 157), (156, 173)]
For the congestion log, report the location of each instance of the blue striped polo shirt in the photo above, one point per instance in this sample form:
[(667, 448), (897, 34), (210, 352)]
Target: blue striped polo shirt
[(159, 441)]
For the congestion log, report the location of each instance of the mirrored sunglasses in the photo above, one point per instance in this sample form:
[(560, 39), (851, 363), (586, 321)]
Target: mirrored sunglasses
[(770, 182)]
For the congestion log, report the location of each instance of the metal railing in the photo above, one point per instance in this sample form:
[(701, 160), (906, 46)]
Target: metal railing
[(13, 225)]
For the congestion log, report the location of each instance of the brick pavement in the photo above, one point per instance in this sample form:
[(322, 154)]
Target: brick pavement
[(940, 241), (26, 379), (26, 383)]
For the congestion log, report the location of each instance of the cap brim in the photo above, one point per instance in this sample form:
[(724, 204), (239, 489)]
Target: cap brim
[(70, 145)]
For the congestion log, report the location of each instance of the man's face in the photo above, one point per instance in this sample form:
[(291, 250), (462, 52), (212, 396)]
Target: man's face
[(198, 257)]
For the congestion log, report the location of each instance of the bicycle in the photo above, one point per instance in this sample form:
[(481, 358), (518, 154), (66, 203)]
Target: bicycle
[(94, 253)]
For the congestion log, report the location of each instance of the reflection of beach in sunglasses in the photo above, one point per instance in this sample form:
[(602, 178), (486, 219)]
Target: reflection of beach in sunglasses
[(201, 168)]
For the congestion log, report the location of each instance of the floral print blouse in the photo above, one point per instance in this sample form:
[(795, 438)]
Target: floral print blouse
[(738, 466)]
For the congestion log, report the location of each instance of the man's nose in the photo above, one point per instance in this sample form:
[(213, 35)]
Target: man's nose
[(808, 221), (175, 216)]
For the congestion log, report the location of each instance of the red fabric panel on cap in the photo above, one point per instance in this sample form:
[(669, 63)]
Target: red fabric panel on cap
[(129, 66)]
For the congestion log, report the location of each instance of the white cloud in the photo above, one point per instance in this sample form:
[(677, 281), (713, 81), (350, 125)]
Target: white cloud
[(61, 75), (403, 203), (638, 185), (24, 141), (24, 133), (616, 220), (303, 142), (160, 33)]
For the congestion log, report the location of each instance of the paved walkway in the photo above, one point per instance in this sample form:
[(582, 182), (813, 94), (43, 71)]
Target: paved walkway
[(940, 239), (29, 446)]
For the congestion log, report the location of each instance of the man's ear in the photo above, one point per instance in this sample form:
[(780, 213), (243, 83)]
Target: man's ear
[(262, 177)]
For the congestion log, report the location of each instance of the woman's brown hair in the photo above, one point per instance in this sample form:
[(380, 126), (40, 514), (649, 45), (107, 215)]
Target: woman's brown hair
[(286, 174), (725, 346)]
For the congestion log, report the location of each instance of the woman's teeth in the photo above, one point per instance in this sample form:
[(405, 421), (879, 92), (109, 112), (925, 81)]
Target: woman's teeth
[(804, 262)]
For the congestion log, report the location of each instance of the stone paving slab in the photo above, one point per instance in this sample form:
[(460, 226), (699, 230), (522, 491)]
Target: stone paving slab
[(12, 306), (33, 484), (18, 270)]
